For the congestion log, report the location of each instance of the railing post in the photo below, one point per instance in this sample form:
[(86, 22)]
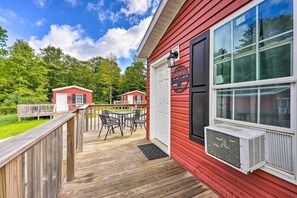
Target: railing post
[(70, 149), (81, 128)]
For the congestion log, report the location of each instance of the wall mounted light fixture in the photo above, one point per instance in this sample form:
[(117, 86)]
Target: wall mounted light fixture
[(171, 58)]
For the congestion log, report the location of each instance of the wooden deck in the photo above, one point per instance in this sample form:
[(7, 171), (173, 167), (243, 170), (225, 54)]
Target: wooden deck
[(117, 168)]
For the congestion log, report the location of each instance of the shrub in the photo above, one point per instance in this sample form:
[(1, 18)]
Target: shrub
[(5, 110)]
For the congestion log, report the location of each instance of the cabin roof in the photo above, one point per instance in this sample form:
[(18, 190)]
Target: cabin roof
[(163, 17), (133, 92), (73, 86)]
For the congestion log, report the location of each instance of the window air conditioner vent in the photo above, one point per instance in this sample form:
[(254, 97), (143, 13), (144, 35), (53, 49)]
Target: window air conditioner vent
[(241, 148)]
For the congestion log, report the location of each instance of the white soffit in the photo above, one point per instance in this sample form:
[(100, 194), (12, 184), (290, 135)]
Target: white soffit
[(163, 17)]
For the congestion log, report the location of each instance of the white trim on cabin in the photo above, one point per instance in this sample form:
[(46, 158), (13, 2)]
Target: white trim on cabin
[(153, 67), (292, 178), (133, 92), (73, 86), (166, 12)]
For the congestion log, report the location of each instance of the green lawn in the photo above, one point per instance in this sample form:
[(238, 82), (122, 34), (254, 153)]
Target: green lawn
[(9, 125)]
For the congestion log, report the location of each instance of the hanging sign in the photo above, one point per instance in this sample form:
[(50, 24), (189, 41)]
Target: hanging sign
[(180, 79)]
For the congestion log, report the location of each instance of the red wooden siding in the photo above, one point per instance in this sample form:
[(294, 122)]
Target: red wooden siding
[(124, 96), (195, 17), (70, 91)]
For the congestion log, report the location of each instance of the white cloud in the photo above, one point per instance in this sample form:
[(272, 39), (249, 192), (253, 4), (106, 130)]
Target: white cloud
[(73, 3), (155, 4), (103, 13), (9, 16), (40, 22), (40, 3), (139, 7), (72, 41)]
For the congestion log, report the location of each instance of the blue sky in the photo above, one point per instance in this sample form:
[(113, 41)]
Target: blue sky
[(81, 28)]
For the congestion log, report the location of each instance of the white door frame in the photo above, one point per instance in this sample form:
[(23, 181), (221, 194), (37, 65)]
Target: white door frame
[(153, 84), (129, 97), (57, 100)]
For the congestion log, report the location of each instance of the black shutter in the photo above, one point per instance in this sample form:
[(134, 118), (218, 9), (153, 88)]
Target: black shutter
[(84, 98), (199, 86), (73, 98)]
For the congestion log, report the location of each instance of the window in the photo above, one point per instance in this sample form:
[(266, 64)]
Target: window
[(257, 45), (79, 98), (254, 77)]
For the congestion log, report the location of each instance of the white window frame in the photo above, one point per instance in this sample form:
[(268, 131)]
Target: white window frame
[(77, 96), (291, 79)]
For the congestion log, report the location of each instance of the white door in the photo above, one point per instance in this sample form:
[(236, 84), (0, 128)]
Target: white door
[(130, 99), (162, 104), (62, 104)]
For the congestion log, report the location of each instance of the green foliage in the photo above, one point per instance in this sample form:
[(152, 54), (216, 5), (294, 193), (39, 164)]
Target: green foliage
[(135, 77), (27, 77), (9, 125), (26, 80), (3, 40), (5, 110)]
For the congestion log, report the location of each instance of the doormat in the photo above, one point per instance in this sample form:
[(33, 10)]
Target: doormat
[(151, 151)]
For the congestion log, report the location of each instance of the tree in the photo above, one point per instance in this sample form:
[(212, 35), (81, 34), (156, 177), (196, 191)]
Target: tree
[(27, 74), (3, 40), (109, 76), (134, 77), (53, 58)]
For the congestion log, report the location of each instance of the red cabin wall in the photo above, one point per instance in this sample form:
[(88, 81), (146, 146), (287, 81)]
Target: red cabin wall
[(124, 97), (195, 17), (70, 91)]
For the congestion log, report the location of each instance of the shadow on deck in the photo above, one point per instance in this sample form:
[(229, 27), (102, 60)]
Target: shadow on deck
[(117, 168)]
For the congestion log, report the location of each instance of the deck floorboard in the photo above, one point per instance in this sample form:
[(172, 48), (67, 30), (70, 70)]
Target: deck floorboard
[(117, 168)]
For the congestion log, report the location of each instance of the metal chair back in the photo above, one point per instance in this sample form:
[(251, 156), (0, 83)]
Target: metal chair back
[(137, 114), (104, 118)]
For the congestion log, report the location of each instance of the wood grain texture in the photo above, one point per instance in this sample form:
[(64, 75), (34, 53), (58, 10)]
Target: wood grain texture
[(70, 149), (17, 145), (13, 177), (117, 168)]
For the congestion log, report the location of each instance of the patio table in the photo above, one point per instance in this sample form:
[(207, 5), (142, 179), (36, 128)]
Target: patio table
[(121, 115)]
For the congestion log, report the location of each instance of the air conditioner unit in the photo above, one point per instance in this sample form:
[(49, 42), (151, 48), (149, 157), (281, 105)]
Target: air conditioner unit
[(240, 148)]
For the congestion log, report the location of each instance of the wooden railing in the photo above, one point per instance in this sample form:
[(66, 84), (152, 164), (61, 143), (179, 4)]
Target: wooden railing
[(92, 113), (32, 164), (36, 164), (120, 102), (35, 110)]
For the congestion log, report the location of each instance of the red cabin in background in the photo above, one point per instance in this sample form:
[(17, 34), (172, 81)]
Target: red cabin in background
[(71, 97), (240, 74), (132, 97)]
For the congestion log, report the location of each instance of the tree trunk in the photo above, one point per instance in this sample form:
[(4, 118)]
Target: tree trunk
[(110, 94)]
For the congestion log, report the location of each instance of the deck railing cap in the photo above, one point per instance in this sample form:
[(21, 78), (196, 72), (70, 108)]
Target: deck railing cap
[(19, 144)]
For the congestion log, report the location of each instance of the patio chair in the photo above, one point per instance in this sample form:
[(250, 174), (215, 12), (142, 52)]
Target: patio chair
[(111, 124), (139, 120), (129, 120), (136, 119)]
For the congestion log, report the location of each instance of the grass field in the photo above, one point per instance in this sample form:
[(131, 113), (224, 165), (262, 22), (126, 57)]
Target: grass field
[(9, 125)]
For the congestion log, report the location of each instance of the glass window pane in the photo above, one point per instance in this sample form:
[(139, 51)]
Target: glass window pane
[(275, 17), (79, 99), (223, 73), (244, 27), (246, 102), (224, 104), (275, 106), (222, 40), (245, 68), (276, 62)]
